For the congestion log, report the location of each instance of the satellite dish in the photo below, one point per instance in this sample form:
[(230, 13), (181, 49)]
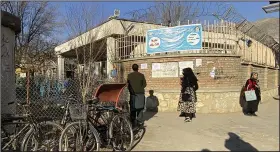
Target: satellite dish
[(117, 12)]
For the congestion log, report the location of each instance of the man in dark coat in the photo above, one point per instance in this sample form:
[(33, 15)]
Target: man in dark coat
[(136, 85)]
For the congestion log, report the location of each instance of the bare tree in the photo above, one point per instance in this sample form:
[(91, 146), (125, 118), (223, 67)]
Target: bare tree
[(169, 13), (35, 43), (79, 19)]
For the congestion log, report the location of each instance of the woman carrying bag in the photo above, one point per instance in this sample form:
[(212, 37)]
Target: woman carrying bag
[(252, 95)]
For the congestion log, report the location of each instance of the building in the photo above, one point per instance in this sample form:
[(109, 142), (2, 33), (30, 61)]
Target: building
[(229, 53)]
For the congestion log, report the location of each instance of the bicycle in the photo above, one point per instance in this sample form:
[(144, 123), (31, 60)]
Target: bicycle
[(66, 117), (112, 125), (79, 135), (43, 133), (11, 134)]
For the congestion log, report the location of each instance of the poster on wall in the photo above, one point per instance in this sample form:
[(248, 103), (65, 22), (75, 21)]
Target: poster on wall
[(198, 62), (144, 66), (173, 39), (155, 66), (185, 64), (213, 72), (165, 70)]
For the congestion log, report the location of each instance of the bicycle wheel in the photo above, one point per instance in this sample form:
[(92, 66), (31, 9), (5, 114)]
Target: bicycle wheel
[(79, 136), (42, 137), (121, 133), (12, 135)]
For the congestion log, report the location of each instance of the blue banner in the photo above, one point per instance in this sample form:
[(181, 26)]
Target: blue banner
[(179, 38)]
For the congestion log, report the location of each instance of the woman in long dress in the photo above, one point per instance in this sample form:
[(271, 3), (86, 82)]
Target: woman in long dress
[(252, 84), (187, 101)]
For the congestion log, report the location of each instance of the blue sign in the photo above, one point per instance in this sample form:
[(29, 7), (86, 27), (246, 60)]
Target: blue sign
[(179, 38)]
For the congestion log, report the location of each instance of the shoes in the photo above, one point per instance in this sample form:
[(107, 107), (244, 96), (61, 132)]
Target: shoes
[(188, 119), (253, 114), (140, 123), (136, 124), (250, 114), (247, 114), (182, 114)]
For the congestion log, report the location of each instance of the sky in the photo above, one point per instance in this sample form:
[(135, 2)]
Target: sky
[(252, 11)]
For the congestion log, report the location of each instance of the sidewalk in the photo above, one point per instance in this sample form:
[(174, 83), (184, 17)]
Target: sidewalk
[(167, 131)]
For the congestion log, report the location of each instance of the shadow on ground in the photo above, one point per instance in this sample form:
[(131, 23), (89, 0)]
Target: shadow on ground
[(152, 104), (205, 150), (147, 115), (139, 133), (235, 143)]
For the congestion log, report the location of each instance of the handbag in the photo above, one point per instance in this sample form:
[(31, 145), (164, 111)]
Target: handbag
[(186, 96), (250, 95)]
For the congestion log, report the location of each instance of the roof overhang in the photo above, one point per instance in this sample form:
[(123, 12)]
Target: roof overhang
[(104, 30), (107, 29)]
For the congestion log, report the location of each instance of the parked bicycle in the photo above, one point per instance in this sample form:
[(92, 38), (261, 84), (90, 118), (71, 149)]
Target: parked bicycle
[(113, 126), (97, 125), (79, 135), (13, 130), (33, 133)]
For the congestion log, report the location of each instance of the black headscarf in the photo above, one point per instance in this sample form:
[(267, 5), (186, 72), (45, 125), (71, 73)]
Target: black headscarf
[(189, 77)]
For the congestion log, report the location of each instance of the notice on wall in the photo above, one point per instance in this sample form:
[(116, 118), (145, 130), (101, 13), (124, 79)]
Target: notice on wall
[(168, 69), (144, 66), (198, 62), (212, 73), (155, 66), (185, 64)]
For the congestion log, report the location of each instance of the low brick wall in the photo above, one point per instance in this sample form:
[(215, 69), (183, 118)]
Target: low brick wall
[(219, 95), (209, 100)]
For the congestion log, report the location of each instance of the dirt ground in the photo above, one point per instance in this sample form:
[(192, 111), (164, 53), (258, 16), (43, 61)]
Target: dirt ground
[(212, 132)]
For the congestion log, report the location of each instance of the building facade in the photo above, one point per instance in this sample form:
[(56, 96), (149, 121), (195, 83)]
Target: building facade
[(227, 52)]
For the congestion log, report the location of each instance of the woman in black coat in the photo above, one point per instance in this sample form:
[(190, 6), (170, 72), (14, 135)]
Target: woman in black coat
[(187, 101)]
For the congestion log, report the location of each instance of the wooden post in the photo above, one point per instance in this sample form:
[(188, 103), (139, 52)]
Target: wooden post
[(27, 87)]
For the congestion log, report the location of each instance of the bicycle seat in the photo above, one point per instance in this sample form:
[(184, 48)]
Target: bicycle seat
[(92, 101), (110, 108), (10, 117), (11, 103), (21, 103), (44, 118)]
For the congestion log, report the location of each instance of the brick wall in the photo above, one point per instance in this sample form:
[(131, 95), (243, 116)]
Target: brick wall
[(215, 95), (245, 73), (228, 72), (272, 78), (261, 75), (231, 73)]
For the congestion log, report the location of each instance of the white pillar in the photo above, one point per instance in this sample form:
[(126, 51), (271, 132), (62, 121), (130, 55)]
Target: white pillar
[(111, 47), (8, 92), (60, 67)]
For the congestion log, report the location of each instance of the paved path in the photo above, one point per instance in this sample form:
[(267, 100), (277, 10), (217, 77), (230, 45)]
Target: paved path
[(167, 131)]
